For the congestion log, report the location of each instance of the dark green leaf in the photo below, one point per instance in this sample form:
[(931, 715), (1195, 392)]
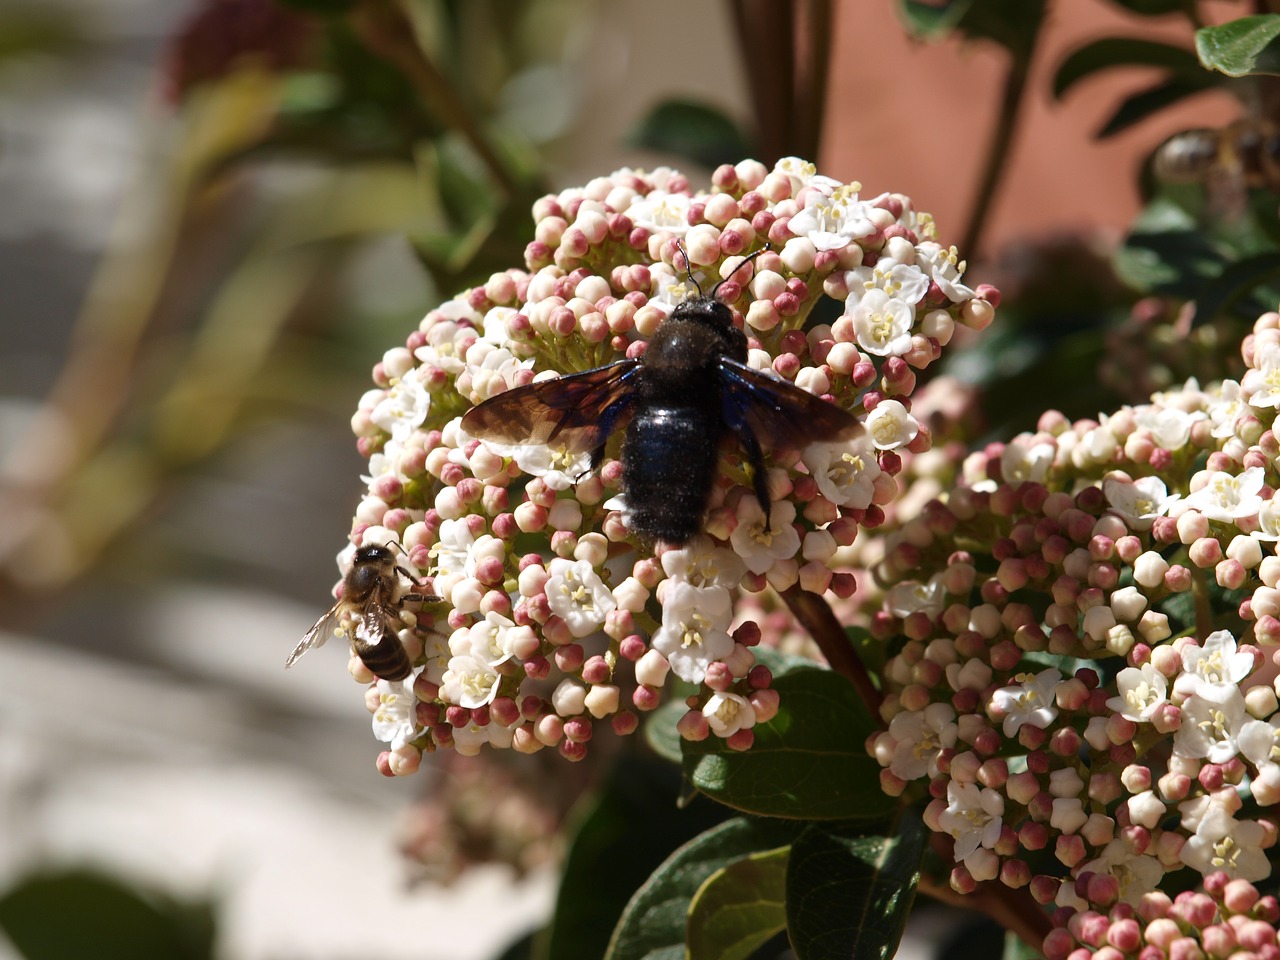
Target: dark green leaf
[(78, 914), (660, 730), (693, 130), (1242, 47), (653, 926), (1167, 252), (739, 908), (849, 892), (931, 21), (1123, 52), (1239, 281), (1015, 948), (808, 762), (618, 841), (782, 663), (1138, 106)]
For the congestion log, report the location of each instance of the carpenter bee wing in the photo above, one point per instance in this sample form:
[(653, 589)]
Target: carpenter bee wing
[(577, 412), (320, 632), (779, 413)]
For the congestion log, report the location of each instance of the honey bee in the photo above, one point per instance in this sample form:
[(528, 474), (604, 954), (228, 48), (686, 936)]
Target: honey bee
[(368, 613), (1228, 162), (691, 389)]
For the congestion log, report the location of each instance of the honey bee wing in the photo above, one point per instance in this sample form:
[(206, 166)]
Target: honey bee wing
[(320, 632), (578, 411), (779, 413), (373, 628)]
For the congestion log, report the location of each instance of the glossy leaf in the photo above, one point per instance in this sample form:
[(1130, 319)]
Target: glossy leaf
[(1249, 45), (931, 21), (849, 891), (739, 908), (696, 131), (660, 730), (654, 924), (619, 840), (1167, 252), (1122, 52), (808, 762), (1238, 283), (78, 914)]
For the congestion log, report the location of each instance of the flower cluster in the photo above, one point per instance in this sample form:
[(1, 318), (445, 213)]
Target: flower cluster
[(1091, 623), (1229, 919), (557, 616)]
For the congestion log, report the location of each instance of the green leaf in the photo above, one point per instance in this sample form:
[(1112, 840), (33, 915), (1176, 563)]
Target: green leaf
[(1138, 106), (1167, 252), (1239, 281), (1242, 47), (931, 21), (78, 914), (1014, 24), (808, 762), (693, 130), (1122, 52), (653, 926), (779, 663), (739, 908), (849, 891), (660, 730), (619, 840)]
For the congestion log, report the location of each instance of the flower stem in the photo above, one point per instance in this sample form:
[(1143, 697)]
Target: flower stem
[(1015, 85), (814, 614)]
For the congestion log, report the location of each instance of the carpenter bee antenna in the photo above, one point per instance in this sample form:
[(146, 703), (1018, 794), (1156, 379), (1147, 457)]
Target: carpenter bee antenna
[(743, 263), (688, 266)]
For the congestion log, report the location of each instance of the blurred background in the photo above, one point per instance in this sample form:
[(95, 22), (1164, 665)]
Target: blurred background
[(216, 215)]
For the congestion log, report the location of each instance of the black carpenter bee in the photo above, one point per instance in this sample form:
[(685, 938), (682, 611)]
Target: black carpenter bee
[(368, 613), (690, 389)]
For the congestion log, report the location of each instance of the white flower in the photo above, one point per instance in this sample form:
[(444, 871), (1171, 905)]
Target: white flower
[(845, 472), (802, 173), (1138, 874), (403, 407), (452, 548), (1268, 520), (920, 736), (703, 564), (759, 546), (694, 628), (1225, 409), (831, 221), (469, 682), (661, 211), (1213, 672), (1142, 690), (1227, 497), (1169, 427), (1138, 502), (558, 467), (1221, 842), (1263, 383), (945, 269), (727, 713), (882, 324), (891, 426), (973, 817), (1259, 742), (394, 720), (576, 593), (494, 640), (1031, 701), (911, 596), (1025, 462), (1210, 727), (898, 281)]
